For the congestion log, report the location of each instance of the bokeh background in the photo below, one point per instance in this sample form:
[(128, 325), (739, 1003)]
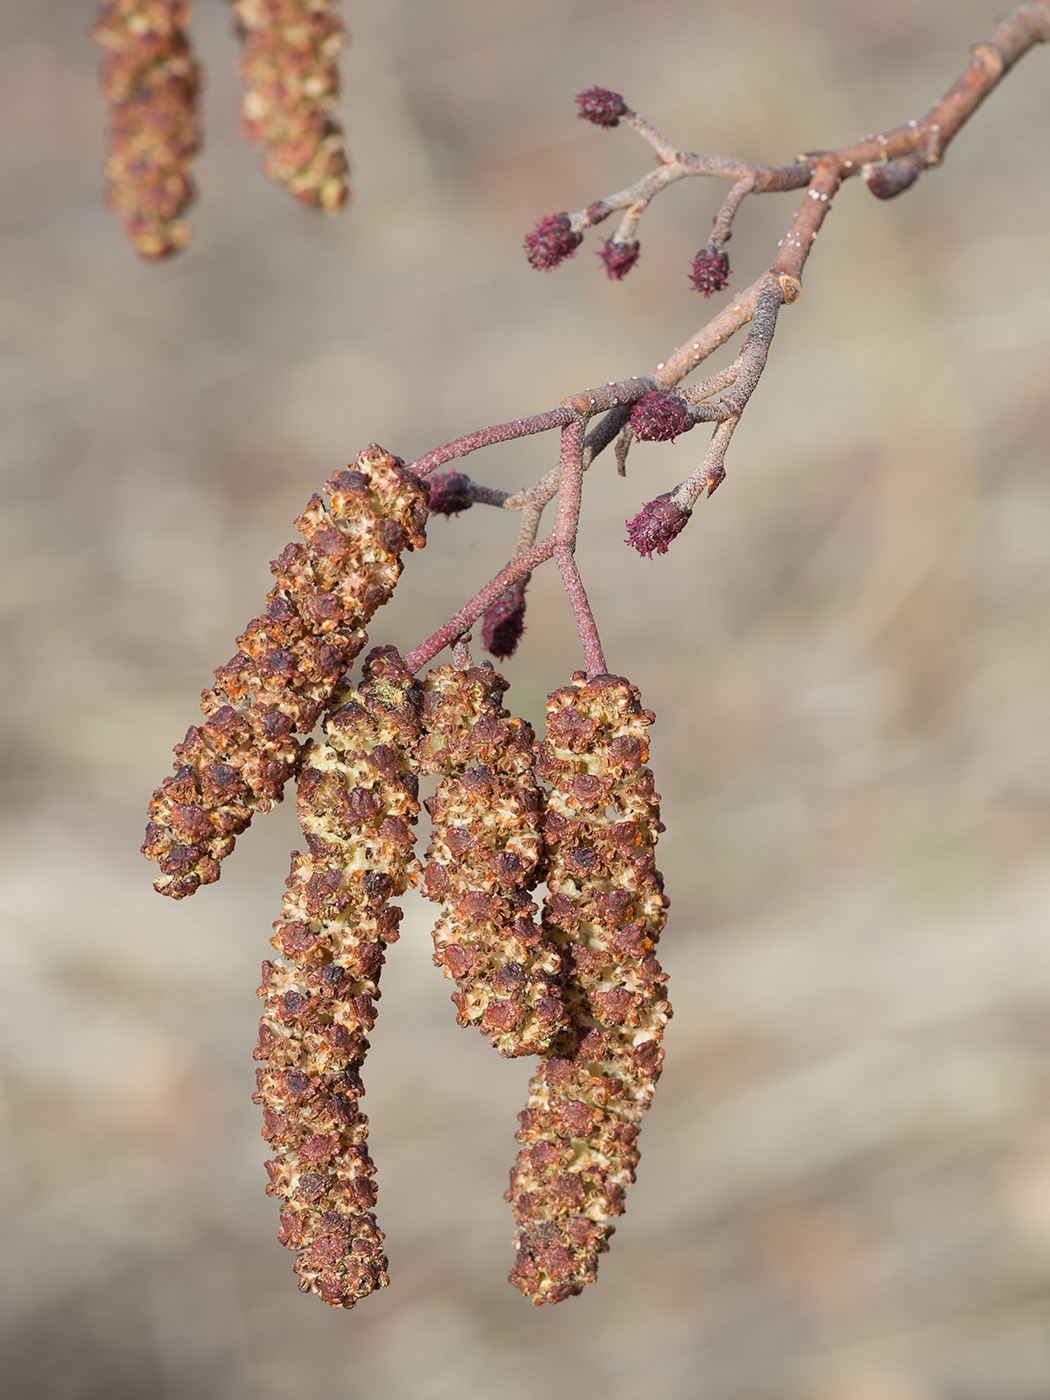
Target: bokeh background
[(845, 1185)]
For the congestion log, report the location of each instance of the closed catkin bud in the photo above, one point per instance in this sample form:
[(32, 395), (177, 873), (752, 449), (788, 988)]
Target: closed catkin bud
[(357, 803), (287, 667), (484, 859), (152, 82), (604, 910), (503, 622), (291, 79)]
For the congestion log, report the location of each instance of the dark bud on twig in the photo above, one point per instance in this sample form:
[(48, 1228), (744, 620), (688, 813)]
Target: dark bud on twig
[(710, 271), (600, 106), (449, 493), (656, 525), (892, 177), (504, 622), (551, 241), (660, 417), (618, 258)]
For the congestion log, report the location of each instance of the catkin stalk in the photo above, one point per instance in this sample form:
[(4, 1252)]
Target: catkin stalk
[(357, 801), (287, 667), (604, 910), (484, 859)]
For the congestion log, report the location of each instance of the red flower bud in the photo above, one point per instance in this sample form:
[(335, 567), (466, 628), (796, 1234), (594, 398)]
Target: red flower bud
[(551, 241), (660, 417), (710, 271), (656, 525), (602, 107), (449, 493), (618, 258), (504, 622)]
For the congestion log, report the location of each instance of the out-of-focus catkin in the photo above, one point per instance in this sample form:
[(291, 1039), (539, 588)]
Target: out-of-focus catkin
[(291, 79), (485, 857), (604, 910), (152, 82), (357, 801), (287, 667)]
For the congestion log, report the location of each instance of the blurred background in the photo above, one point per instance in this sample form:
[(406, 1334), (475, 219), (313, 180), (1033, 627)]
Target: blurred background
[(845, 1184)]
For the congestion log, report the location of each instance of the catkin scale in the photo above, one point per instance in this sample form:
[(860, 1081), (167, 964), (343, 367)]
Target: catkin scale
[(604, 910), (291, 79), (152, 83), (357, 801), (287, 667), (484, 859)]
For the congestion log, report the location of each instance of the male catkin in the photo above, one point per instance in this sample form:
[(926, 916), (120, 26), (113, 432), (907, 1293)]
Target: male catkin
[(485, 857), (291, 79), (287, 667), (604, 910), (357, 802), (152, 83)]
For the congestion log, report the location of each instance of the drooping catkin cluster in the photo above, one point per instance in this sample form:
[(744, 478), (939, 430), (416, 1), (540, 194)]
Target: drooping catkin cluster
[(605, 910), (291, 78), (485, 856), (357, 801), (287, 667), (151, 81)]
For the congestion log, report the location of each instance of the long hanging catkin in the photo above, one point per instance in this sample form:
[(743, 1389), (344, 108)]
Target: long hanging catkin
[(291, 81), (287, 667), (484, 859), (152, 82), (605, 910), (357, 799)]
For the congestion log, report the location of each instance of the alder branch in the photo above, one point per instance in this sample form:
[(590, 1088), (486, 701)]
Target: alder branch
[(650, 406)]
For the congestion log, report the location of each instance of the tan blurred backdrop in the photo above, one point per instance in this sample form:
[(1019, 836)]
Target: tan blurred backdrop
[(845, 1185)]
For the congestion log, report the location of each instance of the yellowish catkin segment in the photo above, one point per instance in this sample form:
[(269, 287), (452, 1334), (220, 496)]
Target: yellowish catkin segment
[(604, 910), (288, 665), (152, 82), (484, 859), (357, 802), (291, 79)]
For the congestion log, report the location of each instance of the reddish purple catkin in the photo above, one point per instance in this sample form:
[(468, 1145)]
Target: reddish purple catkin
[(485, 858), (710, 271), (660, 416), (604, 910), (449, 493), (600, 106), (503, 623), (291, 78), (152, 82), (357, 801), (658, 522), (551, 242), (287, 667), (618, 258)]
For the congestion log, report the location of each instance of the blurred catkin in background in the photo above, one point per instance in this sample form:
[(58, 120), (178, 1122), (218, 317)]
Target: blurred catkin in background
[(845, 1188)]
